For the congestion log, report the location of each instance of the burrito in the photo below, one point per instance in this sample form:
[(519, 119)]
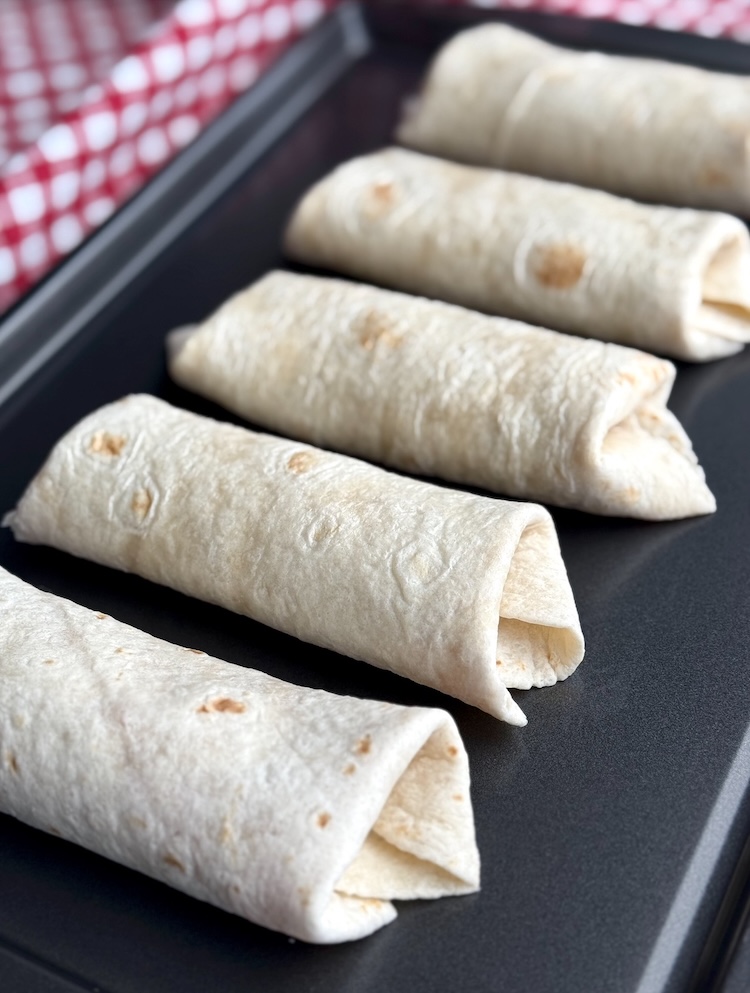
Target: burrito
[(431, 388), (653, 130), (459, 592), (300, 810), (675, 281)]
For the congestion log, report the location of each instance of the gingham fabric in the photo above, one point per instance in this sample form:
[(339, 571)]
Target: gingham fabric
[(712, 18), (96, 95), (118, 117)]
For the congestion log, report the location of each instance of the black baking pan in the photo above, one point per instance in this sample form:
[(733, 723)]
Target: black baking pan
[(612, 828)]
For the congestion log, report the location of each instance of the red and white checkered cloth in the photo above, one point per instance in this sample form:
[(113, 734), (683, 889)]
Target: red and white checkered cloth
[(122, 107), (96, 95)]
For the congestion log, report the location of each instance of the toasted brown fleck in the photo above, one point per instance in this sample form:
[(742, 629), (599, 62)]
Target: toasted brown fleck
[(101, 616), (225, 834), (104, 443), (141, 502), (631, 494), (364, 745), (499, 662), (324, 529), (557, 266), (232, 706), (119, 651), (13, 763), (49, 661), (234, 888), (376, 328), (301, 462), (224, 705), (53, 830), (324, 819), (195, 651), (713, 176), (138, 822), (304, 895), (381, 197), (627, 377), (458, 797), (369, 902), (384, 191), (452, 750), (350, 769), (173, 861)]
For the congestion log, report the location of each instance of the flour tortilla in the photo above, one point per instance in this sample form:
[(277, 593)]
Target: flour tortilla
[(667, 280), (434, 389), (300, 810), (459, 592), (644, 128)]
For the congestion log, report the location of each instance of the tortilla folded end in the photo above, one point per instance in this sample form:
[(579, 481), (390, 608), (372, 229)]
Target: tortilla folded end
[(177, 339), (308, 812)]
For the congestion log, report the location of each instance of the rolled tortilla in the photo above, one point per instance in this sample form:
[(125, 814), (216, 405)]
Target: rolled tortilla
[(667, 280), (300, 810), (451, 393), (459, 592), (644, 128)]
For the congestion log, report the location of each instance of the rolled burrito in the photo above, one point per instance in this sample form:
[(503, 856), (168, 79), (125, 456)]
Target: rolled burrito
[(649, 129), (664, 279), (434, 389), (300, 810), (459, 592)]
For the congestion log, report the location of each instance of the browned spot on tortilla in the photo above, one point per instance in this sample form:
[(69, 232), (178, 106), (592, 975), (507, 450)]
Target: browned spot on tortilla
[(631, 494), (452, 751), (53, 830), (714, 176), (324, 530), (376, 328), (224, 705), (138, 822), (304, 895), (101, 616), (301, 462), (195, 651), (119, 651), (141, 502), (13, 763), (104, 443), (380, 198), (324, 819), (369, 903), (173, 861), (499, 662), (557, 266), (458, 797), (627, 377), (364, 745), (49, 661), (522, 666), (350, 769), (226, 834), (234, 888)]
